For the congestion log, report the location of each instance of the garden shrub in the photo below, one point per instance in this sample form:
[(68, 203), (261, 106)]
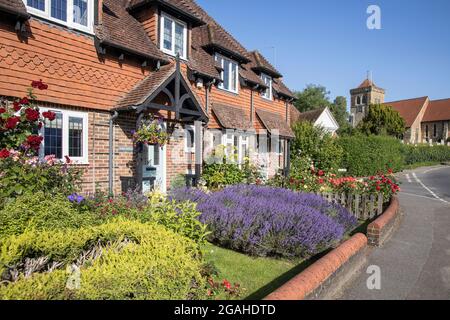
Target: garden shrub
[(117, 260), (369, 155), (266, 221), (40, 211), (426, 153)]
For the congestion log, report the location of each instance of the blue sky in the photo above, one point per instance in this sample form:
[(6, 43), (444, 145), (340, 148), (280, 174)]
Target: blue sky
[(327, 42)]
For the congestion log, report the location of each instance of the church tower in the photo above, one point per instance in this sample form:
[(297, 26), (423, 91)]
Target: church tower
[(362, 97)]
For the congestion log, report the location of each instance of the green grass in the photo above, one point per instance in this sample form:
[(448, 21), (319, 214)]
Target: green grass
[(258, 276), (421, 164)]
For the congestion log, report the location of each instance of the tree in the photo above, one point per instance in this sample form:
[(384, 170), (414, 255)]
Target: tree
[(313, 97), (383, 120), (339, 110)]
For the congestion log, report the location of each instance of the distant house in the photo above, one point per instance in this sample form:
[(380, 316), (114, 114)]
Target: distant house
[(319, 117), (426, 120)]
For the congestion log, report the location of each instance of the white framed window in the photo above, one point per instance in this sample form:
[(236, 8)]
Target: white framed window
[(75, 14), (189, 139), (229, 74), (173, 36), (267, 94), (67, 135)]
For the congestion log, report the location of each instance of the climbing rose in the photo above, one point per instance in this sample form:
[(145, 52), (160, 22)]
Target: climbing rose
[(4, 154), (67, 159), (12, 122), (24, 101), (34, 142), (49, 115), (39, 85), (32, 114), (16, 106), (2, 110)]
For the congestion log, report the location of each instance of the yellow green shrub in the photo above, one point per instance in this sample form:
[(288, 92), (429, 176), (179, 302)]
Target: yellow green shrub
[(117, 260)]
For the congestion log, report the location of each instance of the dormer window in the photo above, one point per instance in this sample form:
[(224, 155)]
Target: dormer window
[(229, 73), (267, 94), (75, 14), (173, 36)]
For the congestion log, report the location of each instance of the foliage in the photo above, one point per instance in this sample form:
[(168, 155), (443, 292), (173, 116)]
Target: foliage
[(39, 211), (313, 143), (339, 110), (266, 221), (383, 120), (122, 260), (312, 97), (426, 153), (151, 132), (368, 155)]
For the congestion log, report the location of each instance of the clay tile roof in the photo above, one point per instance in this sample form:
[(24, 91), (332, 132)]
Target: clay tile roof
[(273, 122), (230, 117), (187, 7), (200, 60), (146, 87), (248, 75), (120, 29), (15, 7), (438, 110), (281, 88), (312, 115), (294, 114), (408, 109), (260, 63), (367, 84)]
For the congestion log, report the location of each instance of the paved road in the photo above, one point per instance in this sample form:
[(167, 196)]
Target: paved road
[(415, 262)]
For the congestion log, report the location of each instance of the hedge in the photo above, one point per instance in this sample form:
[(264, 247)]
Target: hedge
[(426, 153), (119, 260), (369, 155)]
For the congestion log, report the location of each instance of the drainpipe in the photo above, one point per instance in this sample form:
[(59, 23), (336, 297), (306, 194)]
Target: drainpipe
[(111, 152)]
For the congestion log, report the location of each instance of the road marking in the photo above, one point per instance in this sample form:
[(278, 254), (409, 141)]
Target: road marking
[(428, 189), (434, 169), (419, 196), (408, 178)]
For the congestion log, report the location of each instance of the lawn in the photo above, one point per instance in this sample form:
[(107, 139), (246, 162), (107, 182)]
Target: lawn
[(258, 276)]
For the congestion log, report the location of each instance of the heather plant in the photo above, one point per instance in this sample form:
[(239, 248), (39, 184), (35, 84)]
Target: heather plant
[(267, 221)]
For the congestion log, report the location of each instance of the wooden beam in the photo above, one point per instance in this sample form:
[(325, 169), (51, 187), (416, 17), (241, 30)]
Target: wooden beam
[(198, 149), (177, 88)]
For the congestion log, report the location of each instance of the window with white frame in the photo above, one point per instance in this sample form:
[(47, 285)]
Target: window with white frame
[(229, 74), (267, 94), (189, 140), (67, 135), (173, 36), (76, 14)]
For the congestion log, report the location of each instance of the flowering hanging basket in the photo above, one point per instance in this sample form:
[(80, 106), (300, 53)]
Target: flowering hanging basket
[(151, 132)]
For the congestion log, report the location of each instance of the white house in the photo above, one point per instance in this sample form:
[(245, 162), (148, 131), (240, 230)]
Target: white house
[(319, 117)]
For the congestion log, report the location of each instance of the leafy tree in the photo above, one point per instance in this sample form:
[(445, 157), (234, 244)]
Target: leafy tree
[(313, 97), (339, 110), (383, 120)]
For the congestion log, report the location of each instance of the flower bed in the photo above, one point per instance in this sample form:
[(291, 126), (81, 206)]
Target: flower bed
[(267, 221)]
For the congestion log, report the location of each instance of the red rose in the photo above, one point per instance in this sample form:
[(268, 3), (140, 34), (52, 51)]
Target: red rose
[(24, 101), (32, 114), (67, 159), (49, 115), (378, 188), (321, 173), (2, 110), (34, 142), (16, 106), (40, 125), (226, 284), (12, 122), (4, 154), (321, 181), (39, 85)]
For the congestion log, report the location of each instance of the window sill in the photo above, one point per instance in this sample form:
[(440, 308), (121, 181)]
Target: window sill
[(234, 93), (60, 23)]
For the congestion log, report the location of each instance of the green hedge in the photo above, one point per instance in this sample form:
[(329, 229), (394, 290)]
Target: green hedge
[(117, 260), (426, 153), (369, 155)]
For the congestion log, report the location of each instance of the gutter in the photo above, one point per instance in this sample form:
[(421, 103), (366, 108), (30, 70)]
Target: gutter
[(18, 14), (111, 152)]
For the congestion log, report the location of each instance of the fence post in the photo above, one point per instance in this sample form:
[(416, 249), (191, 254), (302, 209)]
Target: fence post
[(380, 203)]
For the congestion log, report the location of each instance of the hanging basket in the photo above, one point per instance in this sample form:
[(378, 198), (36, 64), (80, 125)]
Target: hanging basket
[(151, 132)]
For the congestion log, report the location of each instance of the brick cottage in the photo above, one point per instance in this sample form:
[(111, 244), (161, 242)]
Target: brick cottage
[(111, 64)]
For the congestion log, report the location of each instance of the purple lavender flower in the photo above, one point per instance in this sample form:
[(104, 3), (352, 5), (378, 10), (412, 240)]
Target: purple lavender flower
[(75, 198)]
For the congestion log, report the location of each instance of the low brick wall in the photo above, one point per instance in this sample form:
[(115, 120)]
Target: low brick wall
[(379, 230), (334, 267)]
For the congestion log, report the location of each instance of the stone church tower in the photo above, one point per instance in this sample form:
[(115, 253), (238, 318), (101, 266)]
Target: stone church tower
[(362, 97)]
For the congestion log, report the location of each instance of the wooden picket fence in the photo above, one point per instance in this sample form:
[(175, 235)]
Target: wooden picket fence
[(363, 207)]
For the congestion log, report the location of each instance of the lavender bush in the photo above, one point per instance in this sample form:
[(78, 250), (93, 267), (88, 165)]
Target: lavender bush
[(266, 221)]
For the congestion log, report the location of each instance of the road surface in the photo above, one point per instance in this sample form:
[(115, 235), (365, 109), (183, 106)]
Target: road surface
[(415, 262)]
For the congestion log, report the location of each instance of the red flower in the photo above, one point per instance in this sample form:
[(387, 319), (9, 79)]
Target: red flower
[(321, 181), (34, 142), (40, 125), (390, 171), (32, 114), (39, 85), (16, 106), (226, 284), (321, 173), (378, 188), (12, 122), (372, 178), (2, 110), (24, 101), (4, 154), (49, 115), (67, 159)]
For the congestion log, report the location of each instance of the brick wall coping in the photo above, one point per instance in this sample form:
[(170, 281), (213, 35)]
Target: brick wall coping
[(379, 230), (305, 283)]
